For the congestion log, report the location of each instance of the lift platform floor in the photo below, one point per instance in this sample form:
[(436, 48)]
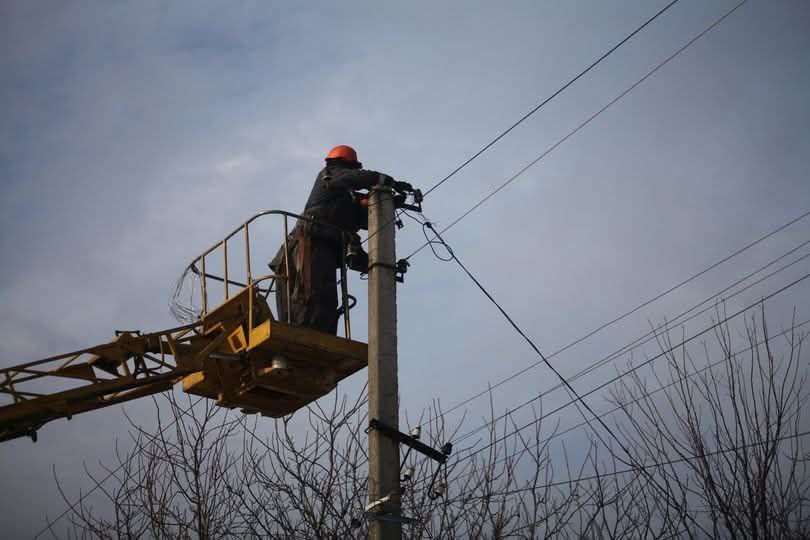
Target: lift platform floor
[(275, 369)]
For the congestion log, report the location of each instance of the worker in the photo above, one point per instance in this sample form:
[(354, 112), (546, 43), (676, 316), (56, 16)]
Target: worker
[(315, 249)]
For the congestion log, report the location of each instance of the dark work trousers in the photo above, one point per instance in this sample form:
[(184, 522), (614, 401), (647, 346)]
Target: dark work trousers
[(314, 301)]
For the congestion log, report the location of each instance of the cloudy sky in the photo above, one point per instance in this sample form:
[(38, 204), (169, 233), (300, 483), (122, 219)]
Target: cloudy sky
[(134, 135)]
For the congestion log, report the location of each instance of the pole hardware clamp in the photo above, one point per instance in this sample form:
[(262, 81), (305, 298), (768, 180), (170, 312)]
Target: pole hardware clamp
[(379, 511), (400, 201), (399, 269)]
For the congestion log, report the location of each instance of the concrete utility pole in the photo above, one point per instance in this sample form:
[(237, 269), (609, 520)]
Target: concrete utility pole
[(383, 393)]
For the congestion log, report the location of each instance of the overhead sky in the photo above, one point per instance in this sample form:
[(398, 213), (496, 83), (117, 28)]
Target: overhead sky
[(134, 135)]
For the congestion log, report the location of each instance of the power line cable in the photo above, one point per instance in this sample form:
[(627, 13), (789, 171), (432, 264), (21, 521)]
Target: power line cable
[(576, 398), (538, 107), (703, 332), (598, 476), (552, 96), (609, 323), (633, 344), (628, 313), (586, 122), (646, 362), (641, 467), (709, 366), (649, 336)]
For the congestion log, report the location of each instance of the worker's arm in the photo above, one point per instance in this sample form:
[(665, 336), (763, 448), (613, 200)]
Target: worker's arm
[(354, 179)]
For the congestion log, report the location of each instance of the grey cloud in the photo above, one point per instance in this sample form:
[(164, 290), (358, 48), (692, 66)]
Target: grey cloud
[(133, 136)]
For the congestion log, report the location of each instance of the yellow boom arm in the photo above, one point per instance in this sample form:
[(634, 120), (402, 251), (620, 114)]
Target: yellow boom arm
[(255, 363)]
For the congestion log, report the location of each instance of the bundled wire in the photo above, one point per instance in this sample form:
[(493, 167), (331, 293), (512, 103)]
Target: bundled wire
[(186, 309)]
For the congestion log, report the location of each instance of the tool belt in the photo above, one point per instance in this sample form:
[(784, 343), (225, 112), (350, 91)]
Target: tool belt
[(302, 237), (300, 245)]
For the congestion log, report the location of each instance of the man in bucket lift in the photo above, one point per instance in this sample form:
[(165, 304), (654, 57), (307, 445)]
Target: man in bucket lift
[(315, 250)]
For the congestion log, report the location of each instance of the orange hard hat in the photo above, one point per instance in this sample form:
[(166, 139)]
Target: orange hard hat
[(342, 152)]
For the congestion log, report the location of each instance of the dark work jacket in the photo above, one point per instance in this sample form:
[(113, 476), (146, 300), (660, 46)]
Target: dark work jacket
[(330, 199)]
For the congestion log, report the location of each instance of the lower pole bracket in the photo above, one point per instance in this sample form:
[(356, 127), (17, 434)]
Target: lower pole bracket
[(407, 440)]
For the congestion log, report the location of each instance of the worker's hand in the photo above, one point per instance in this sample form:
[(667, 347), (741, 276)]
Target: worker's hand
[(403, 187)]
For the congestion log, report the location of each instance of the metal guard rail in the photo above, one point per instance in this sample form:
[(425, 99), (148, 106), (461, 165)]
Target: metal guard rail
[(244, 228)]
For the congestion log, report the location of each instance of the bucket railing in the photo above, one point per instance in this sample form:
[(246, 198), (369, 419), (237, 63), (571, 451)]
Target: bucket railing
[(273, 280)]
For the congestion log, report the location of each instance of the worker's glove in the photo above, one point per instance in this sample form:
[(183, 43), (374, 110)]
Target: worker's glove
[(403, 187)]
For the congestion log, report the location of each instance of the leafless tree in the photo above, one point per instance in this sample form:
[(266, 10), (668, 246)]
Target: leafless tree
[(174, 481), (726, 432), (714, 451), (194, 480)]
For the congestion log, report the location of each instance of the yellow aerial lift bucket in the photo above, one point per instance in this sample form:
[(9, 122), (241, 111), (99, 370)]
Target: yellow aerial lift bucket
[(266, 366)]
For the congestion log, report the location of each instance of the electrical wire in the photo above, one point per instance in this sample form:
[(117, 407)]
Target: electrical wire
[(641, 467), (577, 399), (540, 106), (434, 243), (502, 496), (587, 121), (644, 395), (649, 336), (629, 312), (634, 344), (464, 436), (649, 361), (181, 309), (424, 222), (580, 126), (609, 323), (552, 96)]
